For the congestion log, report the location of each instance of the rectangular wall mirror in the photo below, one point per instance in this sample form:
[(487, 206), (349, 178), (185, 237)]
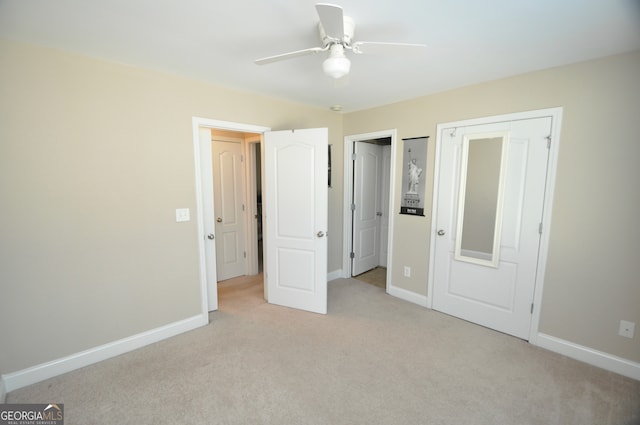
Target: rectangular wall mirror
[(482, 173)]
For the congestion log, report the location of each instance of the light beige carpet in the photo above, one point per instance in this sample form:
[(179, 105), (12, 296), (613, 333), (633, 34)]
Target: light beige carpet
[(372, 360)]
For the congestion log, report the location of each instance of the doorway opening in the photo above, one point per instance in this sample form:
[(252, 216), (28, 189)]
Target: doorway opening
[(300, 158), (369, 169), (237, 192), (206, 217)]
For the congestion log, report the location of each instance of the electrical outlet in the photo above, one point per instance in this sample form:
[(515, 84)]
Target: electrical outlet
[(407, 271), (627, 329)]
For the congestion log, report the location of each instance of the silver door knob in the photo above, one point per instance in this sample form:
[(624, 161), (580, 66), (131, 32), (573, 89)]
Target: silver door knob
[(210, 236), (320, 234), (219, 220), (440, 232)]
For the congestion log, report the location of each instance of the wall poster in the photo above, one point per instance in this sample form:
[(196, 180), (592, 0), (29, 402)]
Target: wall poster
[(413, 175)]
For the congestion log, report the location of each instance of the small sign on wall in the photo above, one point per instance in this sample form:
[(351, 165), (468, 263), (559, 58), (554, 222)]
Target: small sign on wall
[(414, 162)]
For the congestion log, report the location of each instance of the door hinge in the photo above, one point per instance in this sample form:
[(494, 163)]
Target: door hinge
[(245, 254), (353, 207), (540, 228), (531, 308), (548, 141), (352, 255), (353, 156)]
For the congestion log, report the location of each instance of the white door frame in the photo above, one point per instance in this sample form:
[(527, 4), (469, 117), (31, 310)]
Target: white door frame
[(347, 242), (556, 122), (202, 195)]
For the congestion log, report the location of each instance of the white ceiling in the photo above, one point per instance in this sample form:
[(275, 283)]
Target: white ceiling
[(468, 41)]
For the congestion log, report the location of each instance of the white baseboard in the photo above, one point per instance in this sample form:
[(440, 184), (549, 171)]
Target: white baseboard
[(22, 378), (588, 355), (336, 274), (403, 294)]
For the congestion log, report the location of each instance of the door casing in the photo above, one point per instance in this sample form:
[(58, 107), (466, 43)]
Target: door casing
[(556, 116)]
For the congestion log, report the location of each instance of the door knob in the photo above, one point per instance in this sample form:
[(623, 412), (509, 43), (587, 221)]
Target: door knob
[(320, 234), (210, 236), (219, 220), (440, 232)]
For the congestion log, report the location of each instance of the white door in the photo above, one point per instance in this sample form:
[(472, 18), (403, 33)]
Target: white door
[(230, 210), (204, 144), (295, 219), (489, 211), (367, 203)]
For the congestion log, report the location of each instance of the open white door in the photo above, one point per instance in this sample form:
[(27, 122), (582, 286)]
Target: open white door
[(367, 207), (295, 218), (204, 139)]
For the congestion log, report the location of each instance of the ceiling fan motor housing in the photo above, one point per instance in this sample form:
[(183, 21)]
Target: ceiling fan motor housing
[(349, 30)]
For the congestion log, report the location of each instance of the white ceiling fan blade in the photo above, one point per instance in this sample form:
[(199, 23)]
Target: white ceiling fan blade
[(332, 20), (376, 48), (289, 55)]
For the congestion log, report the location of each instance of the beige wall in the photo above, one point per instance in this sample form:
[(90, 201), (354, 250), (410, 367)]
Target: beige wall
[(592, 272), (94, 159)]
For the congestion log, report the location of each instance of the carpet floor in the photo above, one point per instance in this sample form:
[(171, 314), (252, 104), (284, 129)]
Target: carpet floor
[(373, 359)]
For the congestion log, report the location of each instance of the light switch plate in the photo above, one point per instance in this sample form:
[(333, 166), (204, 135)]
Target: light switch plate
[(182, 214), (407, 271)]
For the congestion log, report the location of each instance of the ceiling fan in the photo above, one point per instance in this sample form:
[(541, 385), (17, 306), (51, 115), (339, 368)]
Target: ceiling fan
[(336, 34)]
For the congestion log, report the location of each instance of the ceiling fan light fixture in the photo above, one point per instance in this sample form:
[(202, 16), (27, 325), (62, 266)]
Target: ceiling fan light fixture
[(337, 65), (336, 33)]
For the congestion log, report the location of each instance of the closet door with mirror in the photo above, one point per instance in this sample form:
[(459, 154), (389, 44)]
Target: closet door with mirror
[(489, 211)]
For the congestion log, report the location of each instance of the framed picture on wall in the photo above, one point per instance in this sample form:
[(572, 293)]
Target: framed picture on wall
[(414, 162)]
